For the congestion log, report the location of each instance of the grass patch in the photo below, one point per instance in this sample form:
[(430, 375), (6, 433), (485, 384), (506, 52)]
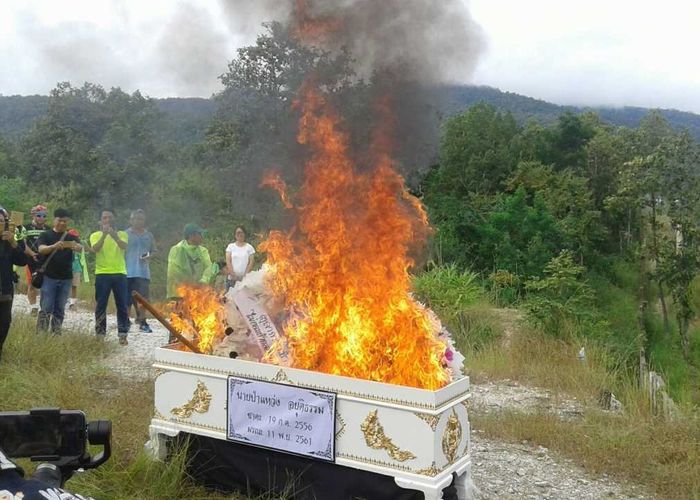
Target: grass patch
[(475, 327), (447, 290), (70, 372), (538, 359), (665, 456), (662, 455)]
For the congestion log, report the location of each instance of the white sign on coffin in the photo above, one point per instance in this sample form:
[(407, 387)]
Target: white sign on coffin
[(290, 419)]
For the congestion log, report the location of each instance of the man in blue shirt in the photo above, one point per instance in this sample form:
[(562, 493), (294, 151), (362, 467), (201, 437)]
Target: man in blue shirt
[(141, 246)]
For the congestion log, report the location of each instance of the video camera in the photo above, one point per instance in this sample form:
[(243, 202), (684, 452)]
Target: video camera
[(57, 437)]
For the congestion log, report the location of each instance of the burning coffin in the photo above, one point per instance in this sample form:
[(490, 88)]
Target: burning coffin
[(419, 437), (327, 355)]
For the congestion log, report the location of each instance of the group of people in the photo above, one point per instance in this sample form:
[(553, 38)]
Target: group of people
[(54, 258)]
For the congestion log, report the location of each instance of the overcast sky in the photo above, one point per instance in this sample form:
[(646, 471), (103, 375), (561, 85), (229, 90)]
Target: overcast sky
[(597, 52)]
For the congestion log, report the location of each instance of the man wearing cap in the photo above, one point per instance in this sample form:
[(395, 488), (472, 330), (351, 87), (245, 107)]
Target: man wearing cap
[(32, 231), (187, 260), (109, 246)]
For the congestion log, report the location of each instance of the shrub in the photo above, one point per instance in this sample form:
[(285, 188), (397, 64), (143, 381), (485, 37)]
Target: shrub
[(562, 300), (447, 290)]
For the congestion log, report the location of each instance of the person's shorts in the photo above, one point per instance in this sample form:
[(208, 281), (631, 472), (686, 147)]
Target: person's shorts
[(77, 278), (31, 266), (139, 285)]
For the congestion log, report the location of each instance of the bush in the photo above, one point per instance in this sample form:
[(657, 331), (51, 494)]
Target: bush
[(562, 300), (447, 290), (15, 195)]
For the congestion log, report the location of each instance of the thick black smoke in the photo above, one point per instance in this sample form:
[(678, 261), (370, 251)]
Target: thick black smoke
[(427, 41), (404, 48)]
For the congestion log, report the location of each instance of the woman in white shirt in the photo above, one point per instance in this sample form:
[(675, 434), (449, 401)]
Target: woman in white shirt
[(239, 256)]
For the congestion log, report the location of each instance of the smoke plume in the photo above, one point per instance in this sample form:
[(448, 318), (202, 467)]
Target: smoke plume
[(404, 49), (422, 40)]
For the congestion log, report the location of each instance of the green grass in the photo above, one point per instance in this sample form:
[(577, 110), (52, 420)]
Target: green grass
[(662, 455), (447, 290), (70, 372)]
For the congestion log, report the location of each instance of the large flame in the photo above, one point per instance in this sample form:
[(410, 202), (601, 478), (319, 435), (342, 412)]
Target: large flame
[(199, 315), (344, 269)]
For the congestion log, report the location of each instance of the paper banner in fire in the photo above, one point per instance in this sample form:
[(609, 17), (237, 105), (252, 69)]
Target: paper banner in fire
[(262, 328)]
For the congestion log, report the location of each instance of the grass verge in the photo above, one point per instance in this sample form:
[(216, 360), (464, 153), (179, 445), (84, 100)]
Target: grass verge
[(635, 445), (70, 372), (661, 455)]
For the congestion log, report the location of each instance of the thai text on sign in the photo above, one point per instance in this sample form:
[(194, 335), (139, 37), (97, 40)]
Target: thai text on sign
[(289, 419), (256, 317)]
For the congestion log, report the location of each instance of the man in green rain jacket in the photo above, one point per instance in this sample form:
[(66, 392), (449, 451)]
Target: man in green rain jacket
[(188, 261)]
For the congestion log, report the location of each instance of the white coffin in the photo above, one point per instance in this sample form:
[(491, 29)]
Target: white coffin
[(418, 436)]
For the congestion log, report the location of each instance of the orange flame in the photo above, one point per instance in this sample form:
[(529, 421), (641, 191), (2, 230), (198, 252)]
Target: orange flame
[(274, 181), (344, 270), (309, 28), (200, 315)]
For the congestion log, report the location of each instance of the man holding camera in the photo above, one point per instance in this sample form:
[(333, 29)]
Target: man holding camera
[(13, 485), (110, 246), (11, 253), (56, 247)]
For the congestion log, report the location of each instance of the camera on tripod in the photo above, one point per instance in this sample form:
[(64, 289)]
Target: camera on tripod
[(57, 437)]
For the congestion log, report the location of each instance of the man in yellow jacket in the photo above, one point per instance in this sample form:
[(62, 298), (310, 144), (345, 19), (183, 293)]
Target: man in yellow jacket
[(188, 261)]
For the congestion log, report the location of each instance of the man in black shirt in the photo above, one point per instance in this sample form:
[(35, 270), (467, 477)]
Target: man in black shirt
[(56, 247)]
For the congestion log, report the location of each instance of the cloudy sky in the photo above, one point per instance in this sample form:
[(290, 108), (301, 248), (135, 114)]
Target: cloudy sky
[(598, 52)]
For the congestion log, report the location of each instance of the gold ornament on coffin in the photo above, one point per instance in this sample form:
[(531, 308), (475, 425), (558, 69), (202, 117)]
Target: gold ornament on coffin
[(452, 437), (339, 425), (282, 377), (199, 402), (431, 471), (431, 420), (376, 439)]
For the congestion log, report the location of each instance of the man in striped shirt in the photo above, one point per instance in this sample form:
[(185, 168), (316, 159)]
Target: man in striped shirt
[(32, 231)]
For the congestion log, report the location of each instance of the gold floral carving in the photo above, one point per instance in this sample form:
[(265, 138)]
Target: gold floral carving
[(158, 372), (378, 440), (431, 420), (452, 437), (281, 376), (199, 402), (431, 471), (339, 425)]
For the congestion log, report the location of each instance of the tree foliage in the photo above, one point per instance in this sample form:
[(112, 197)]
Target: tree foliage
[(109, 134)]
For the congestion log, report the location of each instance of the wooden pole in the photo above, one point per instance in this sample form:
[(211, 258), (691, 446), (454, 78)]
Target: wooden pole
[(157, 315)]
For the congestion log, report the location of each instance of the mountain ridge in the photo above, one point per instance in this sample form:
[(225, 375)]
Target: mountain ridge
[(192, 114)]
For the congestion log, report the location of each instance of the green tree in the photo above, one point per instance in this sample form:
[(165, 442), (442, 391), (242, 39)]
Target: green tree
[(518, 237), (568, 200), (561, 299), (680, 260), (87, 129), (256, 123), (478, 152)]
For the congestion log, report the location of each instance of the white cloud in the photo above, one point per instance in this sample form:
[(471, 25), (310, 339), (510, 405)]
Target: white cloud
[(595, 52), (619, 52)]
